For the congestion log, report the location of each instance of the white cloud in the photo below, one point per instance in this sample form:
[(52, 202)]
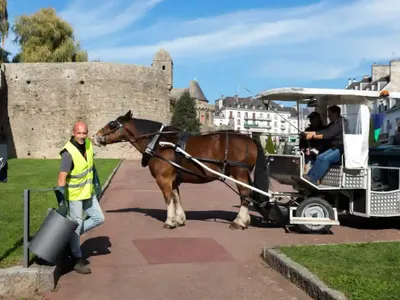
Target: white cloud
[(321, 41), (106, 18)]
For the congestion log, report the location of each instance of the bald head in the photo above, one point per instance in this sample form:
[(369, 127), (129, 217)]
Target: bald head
[(79, 126), (80, 132)]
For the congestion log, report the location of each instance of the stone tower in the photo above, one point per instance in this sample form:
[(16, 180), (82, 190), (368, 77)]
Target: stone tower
[(163, 61)]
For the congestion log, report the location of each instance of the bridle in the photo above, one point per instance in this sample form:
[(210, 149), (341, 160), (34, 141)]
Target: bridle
[(114, 126), (118, 126)]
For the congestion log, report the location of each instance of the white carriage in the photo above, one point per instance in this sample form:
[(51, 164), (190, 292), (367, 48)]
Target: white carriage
[(355, 186)]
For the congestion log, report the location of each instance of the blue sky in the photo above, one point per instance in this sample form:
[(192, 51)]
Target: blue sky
[(228, 45)]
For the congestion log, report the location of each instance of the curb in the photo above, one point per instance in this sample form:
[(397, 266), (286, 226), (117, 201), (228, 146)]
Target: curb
[(300, 276), (22, 282)]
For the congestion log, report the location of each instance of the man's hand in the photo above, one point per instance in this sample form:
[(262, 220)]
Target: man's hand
[(309, 134)]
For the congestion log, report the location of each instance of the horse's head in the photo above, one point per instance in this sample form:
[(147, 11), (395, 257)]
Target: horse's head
[(114, 131)]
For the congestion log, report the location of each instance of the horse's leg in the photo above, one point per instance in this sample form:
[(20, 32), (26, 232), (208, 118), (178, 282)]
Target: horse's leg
[(165, 185), (243, 218), (180, 213)]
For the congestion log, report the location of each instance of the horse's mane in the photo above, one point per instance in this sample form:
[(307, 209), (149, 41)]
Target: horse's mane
[(145, 126)]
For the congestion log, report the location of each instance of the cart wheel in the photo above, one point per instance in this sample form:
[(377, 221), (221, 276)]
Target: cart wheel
[(314, 207)]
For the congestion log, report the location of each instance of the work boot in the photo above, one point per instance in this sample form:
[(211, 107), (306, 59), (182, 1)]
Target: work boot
[(80, 267)]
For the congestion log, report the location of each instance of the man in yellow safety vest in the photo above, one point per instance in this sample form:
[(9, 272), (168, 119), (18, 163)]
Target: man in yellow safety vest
[(78, 183)]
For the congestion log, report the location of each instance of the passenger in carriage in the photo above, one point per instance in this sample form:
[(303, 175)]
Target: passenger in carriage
[(312, 148), (332, 134)]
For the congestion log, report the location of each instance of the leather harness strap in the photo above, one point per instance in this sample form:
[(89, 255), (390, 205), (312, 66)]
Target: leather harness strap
[(182, 142)]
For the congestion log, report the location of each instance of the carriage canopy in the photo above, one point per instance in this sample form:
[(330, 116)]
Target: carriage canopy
[(356, 107)]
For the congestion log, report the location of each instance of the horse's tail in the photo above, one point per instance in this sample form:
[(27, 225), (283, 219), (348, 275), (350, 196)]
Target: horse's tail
[(261, 178)]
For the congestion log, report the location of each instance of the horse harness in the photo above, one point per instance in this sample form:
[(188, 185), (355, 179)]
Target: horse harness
[(177, 163)]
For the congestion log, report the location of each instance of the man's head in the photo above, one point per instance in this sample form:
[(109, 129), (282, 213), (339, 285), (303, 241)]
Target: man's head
[(333, 113), (80, 132), (315, 119)]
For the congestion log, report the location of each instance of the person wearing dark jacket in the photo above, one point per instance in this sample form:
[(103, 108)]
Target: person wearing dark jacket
[(312, 148), (333, 133)]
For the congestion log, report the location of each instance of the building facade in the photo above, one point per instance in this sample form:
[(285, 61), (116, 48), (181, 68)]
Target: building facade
[(383, 77), (251, 116)]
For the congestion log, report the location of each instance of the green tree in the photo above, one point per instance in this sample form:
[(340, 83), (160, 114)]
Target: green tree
[(44, 37), (185, 116), (16, 58), (270, 145), (4, 56), (4, 24)]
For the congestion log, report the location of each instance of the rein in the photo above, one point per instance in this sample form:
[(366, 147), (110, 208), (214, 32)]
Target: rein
[(119, 127)]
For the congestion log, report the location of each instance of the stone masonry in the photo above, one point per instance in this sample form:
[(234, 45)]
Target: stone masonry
[(39, 102)]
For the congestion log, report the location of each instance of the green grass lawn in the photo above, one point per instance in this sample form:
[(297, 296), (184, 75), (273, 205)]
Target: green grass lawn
[(361, 271), (31, 173)]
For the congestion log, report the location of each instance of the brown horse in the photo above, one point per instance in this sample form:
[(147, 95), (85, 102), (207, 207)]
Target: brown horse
[(228, 152)]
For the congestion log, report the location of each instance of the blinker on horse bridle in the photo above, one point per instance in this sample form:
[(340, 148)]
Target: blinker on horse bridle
[(114, 126)]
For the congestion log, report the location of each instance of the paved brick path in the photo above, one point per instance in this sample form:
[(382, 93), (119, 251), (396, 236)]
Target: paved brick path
[(133, 257)]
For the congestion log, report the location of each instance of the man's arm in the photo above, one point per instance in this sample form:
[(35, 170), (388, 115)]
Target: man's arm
[(65, 169), (327, 133)]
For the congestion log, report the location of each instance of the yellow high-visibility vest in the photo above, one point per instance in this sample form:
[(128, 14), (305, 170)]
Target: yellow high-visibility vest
[(80, 181)]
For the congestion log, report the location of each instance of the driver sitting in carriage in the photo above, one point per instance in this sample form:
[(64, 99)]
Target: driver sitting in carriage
[(334, 134), (311, 148)]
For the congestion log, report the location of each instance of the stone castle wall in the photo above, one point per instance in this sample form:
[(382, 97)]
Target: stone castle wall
[(41, 101)]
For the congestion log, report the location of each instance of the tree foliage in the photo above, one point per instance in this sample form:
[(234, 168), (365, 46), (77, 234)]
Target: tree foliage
[(270, 145), (4, 24), (44, 37), (4, 56), (185, 116)]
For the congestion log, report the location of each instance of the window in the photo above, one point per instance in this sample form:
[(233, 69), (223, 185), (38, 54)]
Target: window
[(254, 116), (238, 114), (238, 121), (231, 115), (246, 115)]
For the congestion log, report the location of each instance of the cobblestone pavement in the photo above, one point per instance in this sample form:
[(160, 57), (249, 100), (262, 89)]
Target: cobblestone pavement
[(133, 257)]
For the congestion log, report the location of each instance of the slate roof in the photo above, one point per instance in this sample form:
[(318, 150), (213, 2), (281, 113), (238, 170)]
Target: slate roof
[(194, 90)]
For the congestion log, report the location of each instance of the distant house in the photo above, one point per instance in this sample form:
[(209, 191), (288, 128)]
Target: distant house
[(251, 116), (383, 77)]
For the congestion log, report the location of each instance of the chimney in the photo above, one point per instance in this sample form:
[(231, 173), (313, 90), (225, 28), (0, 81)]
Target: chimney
[(354, 80), (349, 81)]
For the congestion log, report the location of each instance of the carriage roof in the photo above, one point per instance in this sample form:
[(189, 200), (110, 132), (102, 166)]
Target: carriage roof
[(333, 96)]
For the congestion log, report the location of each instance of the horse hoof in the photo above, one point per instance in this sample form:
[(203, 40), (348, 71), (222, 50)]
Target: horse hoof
[(166, 226), (235, 226), (180, 225)]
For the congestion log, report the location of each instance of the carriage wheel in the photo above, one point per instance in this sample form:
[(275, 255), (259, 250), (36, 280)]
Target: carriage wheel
[(314, 207)]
